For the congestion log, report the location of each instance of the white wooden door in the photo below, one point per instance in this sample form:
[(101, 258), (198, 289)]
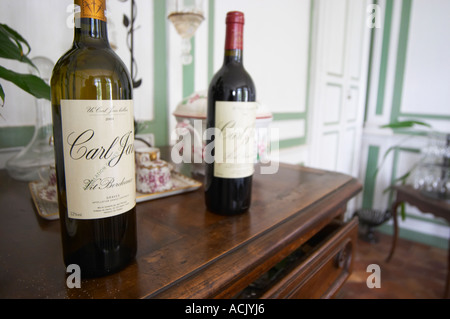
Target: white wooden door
[(339, 76)]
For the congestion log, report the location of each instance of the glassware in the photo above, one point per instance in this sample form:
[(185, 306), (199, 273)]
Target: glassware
[(186, 16), (432, 175), (39, 152)]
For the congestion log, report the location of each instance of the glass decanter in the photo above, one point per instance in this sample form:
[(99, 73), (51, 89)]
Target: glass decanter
[(39, 152)]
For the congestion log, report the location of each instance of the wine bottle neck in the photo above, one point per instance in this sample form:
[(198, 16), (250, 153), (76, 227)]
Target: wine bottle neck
[(233, 56), (234, 37), (90, 23), (91, 31)]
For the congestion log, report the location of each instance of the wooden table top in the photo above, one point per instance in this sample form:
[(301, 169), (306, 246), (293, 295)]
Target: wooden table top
[(427, 204), (184, 251)]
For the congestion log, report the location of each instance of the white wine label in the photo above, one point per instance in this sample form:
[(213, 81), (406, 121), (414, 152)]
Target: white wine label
[(98, 140), (234, 144)]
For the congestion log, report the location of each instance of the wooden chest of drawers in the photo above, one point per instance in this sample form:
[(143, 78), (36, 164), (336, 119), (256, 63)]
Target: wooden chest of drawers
[(293, 243), (323, 264)]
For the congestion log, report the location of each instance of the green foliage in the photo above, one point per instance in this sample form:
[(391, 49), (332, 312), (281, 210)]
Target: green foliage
[(405, 124), (12, 47), (402, 179)]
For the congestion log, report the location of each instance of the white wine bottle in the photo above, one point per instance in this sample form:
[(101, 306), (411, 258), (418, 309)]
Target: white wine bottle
[(93, 128)]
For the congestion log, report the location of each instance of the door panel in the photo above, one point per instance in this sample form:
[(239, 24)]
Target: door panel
[(335, 13), (330, 142), (332, 105), (339, 80)]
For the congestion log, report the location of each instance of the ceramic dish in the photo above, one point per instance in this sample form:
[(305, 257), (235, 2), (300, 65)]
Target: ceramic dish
[(48, 209), (190, 115)]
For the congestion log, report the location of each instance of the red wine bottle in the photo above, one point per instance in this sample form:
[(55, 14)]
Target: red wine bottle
[(94, 133), (231, 114)]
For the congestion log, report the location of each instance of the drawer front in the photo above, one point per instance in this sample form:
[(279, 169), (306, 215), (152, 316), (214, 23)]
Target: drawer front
[(325, 269)]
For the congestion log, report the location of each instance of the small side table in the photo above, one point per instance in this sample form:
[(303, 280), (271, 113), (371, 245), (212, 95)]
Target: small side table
[(439, 208)]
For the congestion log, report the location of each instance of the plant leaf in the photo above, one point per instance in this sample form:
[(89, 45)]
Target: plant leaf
[(388, 189), (390, 149), (403, 210), (405, 124), (2, 95), (16, 36), (11, 47), (403, 178), (27, 82)]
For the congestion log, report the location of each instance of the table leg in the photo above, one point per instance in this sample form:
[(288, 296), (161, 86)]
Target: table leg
[(395, 235)]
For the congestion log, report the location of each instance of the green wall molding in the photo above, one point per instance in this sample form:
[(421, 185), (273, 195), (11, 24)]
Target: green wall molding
[(21, 135), (308, 76), (394, 174), (400, 69), (211, 17), (292, 142), (289, 116), (369, 71), (384, 57), (415, 236), (15, 136), (369, 180), (159, 125), (401, 60), (189, 73), (394, 170), (426, 116), (369, 192), (424, 218)]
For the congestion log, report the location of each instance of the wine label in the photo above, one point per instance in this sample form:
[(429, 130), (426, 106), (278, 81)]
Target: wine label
[(234, 143), (98, 141), (94, 9)]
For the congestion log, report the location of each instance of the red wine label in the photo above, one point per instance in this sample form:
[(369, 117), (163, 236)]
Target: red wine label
[(94, 9), (98, 140), (234, 142)]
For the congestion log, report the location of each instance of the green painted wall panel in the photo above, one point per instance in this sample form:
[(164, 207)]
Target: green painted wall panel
[(384, 57), (159, 126), (15, 136), (401, 60), (369, 180), (189, 73)]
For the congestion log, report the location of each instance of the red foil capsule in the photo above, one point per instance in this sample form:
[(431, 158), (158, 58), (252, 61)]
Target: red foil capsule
[(235, 29)]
